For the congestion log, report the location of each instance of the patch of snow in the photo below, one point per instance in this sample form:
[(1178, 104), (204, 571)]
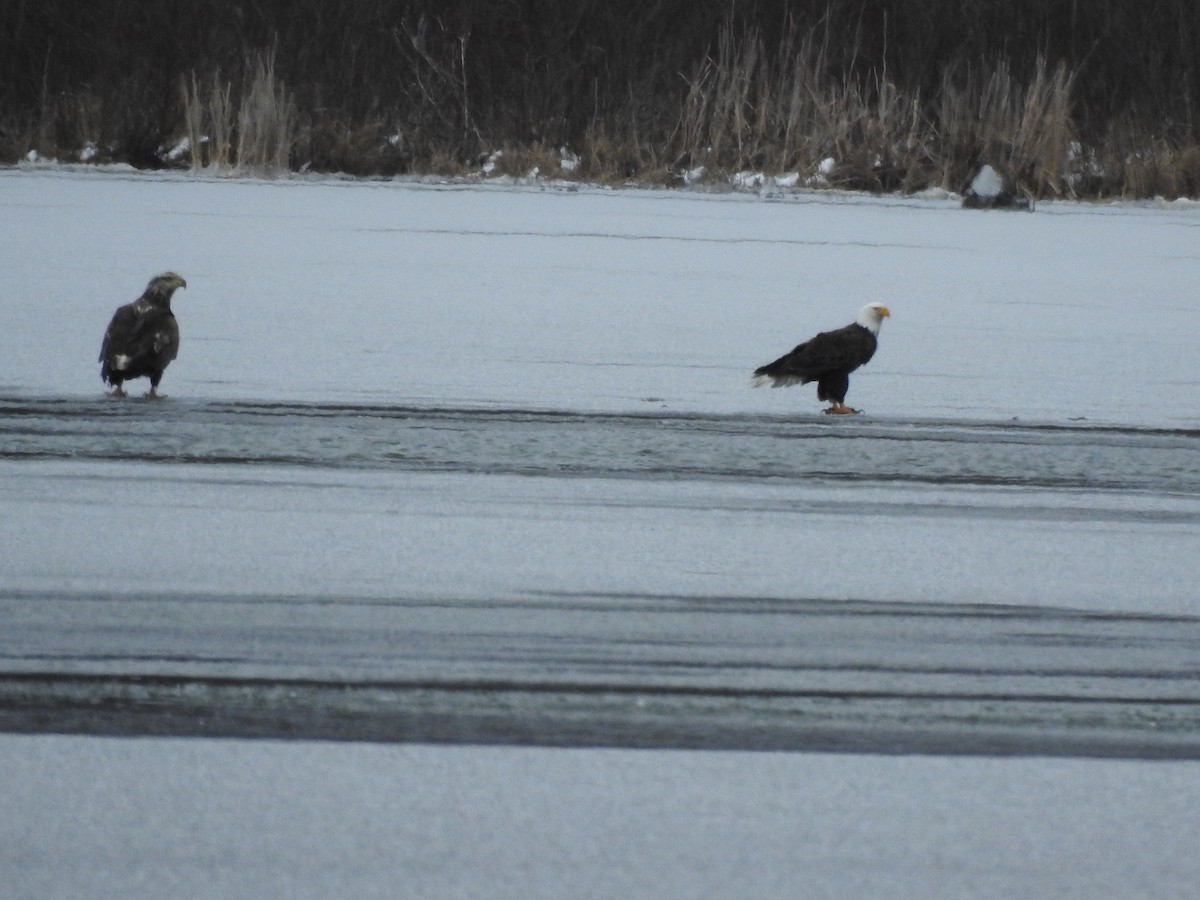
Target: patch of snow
[(568, 161), (180, 149), (749, 180), (492, 162), (89, 152), (987, 183), (1178, 203), (790, 180), (691, 176), (824, 170)]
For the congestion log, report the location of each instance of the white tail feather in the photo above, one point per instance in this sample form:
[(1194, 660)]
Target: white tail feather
[(776, 380)]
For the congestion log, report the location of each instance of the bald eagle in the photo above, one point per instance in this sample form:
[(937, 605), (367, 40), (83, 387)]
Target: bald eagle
[(828, 359), (142, 338)]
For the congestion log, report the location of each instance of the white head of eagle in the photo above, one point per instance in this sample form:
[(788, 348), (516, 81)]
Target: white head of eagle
[(143, 336), (828, 359), (871, 317)]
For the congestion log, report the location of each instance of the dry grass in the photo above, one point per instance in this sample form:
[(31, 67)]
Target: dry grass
[(1134, 163), (783, 113), (744, 110), (253, 132), (1020, 126), (209, 124), (266, 120), (639, 98)]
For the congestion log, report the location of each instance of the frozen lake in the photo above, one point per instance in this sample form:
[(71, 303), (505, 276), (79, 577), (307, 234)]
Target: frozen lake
[(480, 466), (559, 577)]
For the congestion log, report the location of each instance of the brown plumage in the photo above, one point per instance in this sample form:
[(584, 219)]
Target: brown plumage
[(142, 338)]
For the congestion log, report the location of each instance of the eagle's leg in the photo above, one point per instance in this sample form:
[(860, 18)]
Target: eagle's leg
[(117, 391), (841, 409), (153, 393)]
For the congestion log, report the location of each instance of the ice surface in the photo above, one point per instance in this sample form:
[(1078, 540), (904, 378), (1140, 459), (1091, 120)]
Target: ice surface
[(392, 296), (217, 531), (595, 300), (602, 299), (89, 818)]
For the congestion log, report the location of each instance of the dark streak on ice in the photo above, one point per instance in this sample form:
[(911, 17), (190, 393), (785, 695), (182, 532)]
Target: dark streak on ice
[(606, 445), (620, 669)]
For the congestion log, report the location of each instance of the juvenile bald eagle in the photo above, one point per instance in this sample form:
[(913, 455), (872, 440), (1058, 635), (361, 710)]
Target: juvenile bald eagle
[(828, 359), (142, 338)]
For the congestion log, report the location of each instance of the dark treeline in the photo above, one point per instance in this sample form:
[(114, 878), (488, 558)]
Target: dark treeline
[(918, 91)]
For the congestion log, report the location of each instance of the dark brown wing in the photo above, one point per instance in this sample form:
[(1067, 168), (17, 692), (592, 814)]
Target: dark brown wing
[(119, 333), (138, 342), (842, 350)]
